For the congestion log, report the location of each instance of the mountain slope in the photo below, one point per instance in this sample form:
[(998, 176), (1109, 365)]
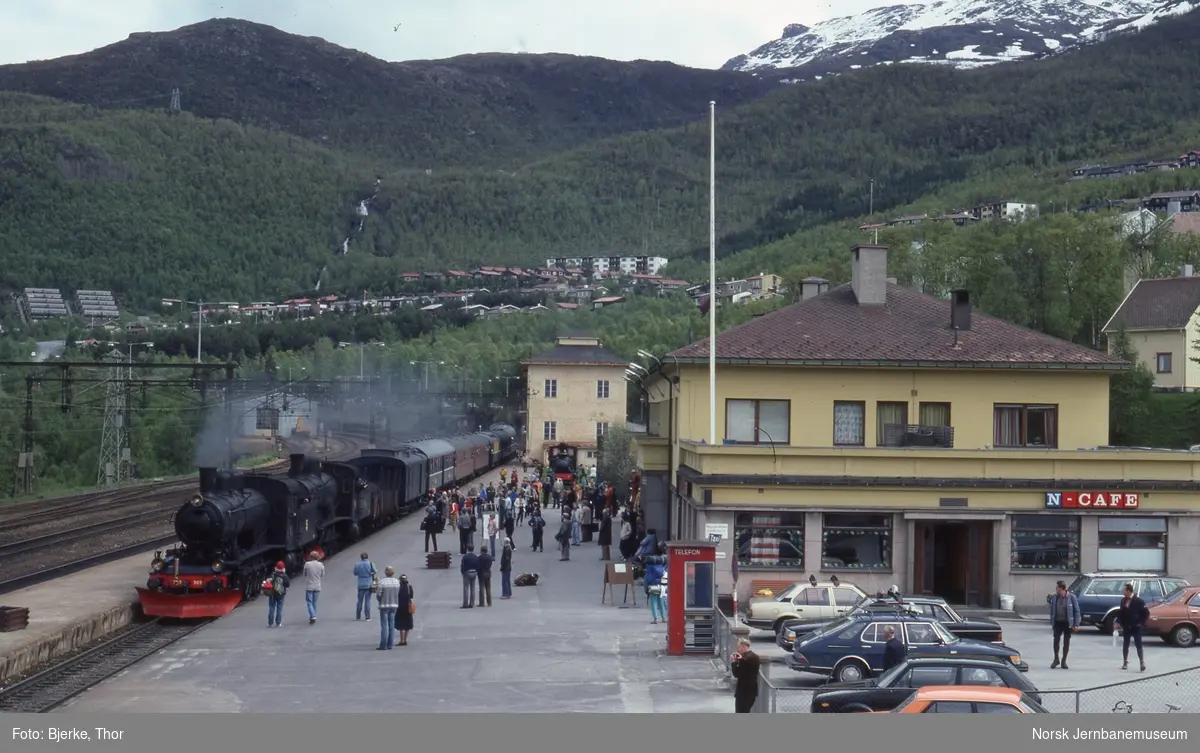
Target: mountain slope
[(961, 33), (425, 114), (107, 199)]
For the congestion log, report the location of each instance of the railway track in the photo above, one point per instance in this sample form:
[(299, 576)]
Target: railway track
[(50, 688), (35, 547)]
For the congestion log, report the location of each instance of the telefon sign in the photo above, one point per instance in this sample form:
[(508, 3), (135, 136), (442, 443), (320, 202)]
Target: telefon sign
[(1093, 501)]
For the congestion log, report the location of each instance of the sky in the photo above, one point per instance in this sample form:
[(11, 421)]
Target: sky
[(696, 33)]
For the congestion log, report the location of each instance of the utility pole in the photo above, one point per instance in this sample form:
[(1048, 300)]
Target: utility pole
[(229, 425), (25, 459), (113, 443), (371, 409)]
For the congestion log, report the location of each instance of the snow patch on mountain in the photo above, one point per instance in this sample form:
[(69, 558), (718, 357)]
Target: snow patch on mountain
[(962, 33)]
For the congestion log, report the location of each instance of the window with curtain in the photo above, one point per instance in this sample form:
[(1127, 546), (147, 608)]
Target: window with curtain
[(1026, 426), (767, 540), (1045, 542), (849, 424), (853, 541), (894, 415), (935, 414), (1135, 544), (758, 421)]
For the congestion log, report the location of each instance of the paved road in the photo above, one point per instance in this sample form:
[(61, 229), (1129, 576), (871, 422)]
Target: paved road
[(552, 648), (1094, 662)]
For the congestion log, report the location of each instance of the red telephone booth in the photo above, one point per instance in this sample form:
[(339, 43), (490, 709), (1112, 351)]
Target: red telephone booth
[(691, 597)]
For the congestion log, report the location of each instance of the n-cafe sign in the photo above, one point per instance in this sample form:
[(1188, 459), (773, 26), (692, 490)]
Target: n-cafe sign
[(1093, 501)]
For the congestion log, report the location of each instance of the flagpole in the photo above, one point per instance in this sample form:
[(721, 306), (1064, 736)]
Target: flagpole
[(712, 274)]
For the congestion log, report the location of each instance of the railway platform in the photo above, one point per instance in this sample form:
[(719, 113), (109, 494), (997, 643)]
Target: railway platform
[(551, 648), (68, 613)]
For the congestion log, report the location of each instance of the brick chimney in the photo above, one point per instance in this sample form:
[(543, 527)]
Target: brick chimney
[(869, 275), (811, 287)]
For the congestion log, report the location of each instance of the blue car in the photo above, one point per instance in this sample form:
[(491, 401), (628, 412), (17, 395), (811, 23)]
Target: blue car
[(1100, 594), (851, 649)]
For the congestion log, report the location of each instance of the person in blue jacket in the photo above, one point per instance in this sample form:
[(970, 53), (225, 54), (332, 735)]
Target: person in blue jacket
[(654, 590), (364, 573)]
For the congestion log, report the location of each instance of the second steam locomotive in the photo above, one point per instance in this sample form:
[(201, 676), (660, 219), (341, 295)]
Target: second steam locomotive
[(238, 525)]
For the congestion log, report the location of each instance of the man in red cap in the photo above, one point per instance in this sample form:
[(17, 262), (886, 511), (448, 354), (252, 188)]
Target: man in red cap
[(280, 583)]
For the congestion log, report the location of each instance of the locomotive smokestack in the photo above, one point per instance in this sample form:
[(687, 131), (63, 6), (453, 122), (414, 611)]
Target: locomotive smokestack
[(297, 464), (208, 480)]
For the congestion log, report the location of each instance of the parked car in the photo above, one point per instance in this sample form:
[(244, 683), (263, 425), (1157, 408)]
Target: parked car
[(894, 687), (1176, 619), (1100, 594), (851, 649), (803, 600), (928, 606), (958, 699)]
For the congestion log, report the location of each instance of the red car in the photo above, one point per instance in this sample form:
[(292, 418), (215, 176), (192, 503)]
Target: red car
[(1176, 619)]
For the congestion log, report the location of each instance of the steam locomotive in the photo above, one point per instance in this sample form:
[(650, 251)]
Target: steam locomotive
[(564, 460), (238, 525)]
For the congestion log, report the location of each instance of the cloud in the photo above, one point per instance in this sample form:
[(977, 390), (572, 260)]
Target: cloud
[(700, 33)]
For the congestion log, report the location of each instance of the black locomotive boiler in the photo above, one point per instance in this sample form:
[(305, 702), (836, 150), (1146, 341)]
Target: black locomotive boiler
[(234, 530)]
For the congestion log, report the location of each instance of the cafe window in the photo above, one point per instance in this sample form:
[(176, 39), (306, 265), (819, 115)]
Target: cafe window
[(758, 421), (769, 539), (1135, 544), (1026, 426), (853, 541), (1045, 542)]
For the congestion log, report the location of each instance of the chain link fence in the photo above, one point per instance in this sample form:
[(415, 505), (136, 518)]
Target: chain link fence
[(1172, 692)]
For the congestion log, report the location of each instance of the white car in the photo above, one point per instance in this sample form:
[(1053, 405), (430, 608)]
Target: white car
[(803, 600)]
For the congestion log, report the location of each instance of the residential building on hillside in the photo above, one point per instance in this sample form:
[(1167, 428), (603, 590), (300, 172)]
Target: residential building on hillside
[(1005, 210), (576, 391), (1173, 202), (764, 285), (1139, 222), (629, 265), (891, 437), (1184, 223), (1160, 320)]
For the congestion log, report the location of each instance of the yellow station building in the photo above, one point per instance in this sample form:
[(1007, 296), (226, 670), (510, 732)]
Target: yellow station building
[(893, 438)]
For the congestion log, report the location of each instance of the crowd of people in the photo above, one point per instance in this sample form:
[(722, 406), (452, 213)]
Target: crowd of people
[(587, 511)]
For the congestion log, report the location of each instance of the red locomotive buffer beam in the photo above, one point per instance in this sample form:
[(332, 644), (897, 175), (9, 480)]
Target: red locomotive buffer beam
[(195, 597)]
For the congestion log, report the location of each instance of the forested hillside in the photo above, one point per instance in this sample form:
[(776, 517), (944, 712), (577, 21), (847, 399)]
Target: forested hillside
[(213, 209), (467, 111)]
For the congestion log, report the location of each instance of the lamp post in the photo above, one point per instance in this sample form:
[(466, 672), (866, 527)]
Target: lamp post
[(131, 346), (427, 364), (361, 350), (507, 381), (200, 328)]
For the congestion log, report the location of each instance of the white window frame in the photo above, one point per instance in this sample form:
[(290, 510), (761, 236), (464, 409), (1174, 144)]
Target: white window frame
[(550, 389), (603, 389), (549, 431)]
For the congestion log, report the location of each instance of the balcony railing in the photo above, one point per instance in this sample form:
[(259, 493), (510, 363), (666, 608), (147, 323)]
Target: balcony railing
[(909, 435)]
